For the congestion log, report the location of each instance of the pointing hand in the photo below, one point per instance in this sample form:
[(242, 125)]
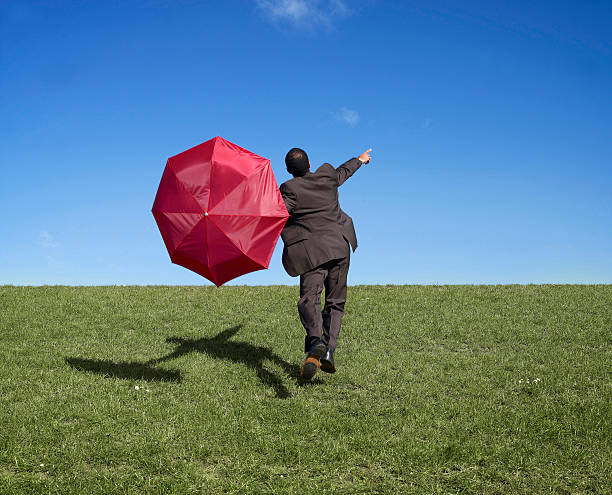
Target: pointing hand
[(365, 156)]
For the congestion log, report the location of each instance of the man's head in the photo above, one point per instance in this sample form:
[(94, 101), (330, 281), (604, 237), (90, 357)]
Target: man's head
[(297, 162)]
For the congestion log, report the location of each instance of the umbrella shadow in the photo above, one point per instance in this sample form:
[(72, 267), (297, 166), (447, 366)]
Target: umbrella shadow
[(249, 355), (130, 370), (219, 347)]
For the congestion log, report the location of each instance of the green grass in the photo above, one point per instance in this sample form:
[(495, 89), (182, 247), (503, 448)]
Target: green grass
[(436, 391)]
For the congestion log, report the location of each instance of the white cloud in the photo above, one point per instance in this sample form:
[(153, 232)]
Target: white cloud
[(46, 240), (304, 12), (348, 116)]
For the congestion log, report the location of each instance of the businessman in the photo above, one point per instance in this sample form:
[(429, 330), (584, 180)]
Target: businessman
[(318, 238)]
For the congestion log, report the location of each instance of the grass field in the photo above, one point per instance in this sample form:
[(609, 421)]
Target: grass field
[(439, 389)]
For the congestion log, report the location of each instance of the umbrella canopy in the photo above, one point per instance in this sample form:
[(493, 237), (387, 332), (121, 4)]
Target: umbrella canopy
[(219, 210)]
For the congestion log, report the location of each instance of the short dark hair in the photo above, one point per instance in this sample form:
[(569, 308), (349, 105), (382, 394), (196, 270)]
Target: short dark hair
[(297, 162)]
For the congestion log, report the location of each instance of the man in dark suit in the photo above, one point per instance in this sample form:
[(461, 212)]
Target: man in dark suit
[(318, 237)]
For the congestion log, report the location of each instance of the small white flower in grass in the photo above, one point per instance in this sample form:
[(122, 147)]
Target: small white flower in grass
[(42, 465), (529, 381), (136, 387)]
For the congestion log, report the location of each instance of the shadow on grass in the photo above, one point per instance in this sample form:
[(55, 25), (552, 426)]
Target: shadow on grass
[(219, 347), (124, 369)]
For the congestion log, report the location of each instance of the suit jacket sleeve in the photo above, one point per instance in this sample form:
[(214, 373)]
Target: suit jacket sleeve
[(347, 169), (288, 197)]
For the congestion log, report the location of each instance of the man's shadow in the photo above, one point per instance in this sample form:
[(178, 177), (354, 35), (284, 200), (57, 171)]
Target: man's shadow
[(218, 346)]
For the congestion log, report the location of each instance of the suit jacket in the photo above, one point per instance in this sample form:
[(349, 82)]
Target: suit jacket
[(317, 230)]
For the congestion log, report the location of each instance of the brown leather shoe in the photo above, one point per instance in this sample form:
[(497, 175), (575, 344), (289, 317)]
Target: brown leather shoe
[(311, 364)]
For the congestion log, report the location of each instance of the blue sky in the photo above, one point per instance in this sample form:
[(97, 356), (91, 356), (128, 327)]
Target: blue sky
[(491, 124)]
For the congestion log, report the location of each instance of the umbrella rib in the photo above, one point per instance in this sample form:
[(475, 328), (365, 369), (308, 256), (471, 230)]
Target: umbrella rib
[(231, 240), (212, 273), (235, 187), (212, 278), (185, 236), (180, 183), (210, 176), (242, 215)]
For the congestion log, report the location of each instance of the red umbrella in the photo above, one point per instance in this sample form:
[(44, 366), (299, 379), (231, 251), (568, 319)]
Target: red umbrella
[(219, 210)]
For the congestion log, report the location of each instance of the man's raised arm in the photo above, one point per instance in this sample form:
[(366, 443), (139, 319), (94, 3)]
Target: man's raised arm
[(347, 169)]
